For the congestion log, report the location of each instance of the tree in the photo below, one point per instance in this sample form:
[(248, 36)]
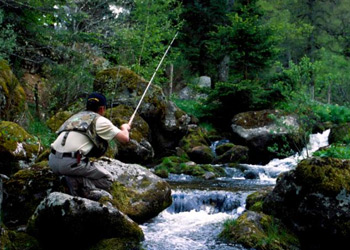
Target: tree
[(200, 18), (245, 39)]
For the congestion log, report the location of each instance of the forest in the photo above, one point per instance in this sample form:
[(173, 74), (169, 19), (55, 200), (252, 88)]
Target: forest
[(292, 55), (259, 157)]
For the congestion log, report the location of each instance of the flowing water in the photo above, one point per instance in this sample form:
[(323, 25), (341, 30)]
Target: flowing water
[(200, 207)]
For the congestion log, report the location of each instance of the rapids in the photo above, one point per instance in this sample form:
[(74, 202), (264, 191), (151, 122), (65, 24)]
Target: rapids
[(200, 207)]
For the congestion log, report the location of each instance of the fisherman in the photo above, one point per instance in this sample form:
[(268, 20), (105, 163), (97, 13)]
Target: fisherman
[(86, 134)]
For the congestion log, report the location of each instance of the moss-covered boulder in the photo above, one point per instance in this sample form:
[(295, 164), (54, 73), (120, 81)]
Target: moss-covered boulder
[(195, 144), (181, 165), (136, 191), (259, 231), (340, 134), (25, 190), (314, 201), (55, 122), (167, 122), (139, 149), (268, 134), (12, 95), (16, 146), (123, 86), (78, 222), (230, 153)]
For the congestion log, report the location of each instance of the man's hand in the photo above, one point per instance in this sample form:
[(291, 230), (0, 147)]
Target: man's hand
[(125, 126)]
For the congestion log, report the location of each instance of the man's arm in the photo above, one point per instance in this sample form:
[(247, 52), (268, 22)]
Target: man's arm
[(123, 135)]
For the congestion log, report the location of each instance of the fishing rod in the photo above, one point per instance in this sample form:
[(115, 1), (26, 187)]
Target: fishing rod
[(149, 84)]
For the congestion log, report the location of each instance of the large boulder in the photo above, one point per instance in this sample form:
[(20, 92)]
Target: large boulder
[(139, 149), (314, 201), (196, 145), (136, 191), (17, 147), (78, 222), (166, 121), (12, 95), (123, 86), (25, 190), (267, 133), (259, 231)]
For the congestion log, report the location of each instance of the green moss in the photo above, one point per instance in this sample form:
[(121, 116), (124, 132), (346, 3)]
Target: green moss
[(326, 175), (121, 114), (13, 92), (266, 233), (179, 165), (13, 240), (15, 141), (26, 189), (55, 122), (117, 244), (196, 137)]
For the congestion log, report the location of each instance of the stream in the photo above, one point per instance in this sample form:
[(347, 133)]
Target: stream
[(200, 207)]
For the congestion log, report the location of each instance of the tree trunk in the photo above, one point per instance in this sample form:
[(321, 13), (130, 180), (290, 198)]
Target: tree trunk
[(224, 68)]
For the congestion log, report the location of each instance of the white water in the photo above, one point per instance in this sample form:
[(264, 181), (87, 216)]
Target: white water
[(196, 217)]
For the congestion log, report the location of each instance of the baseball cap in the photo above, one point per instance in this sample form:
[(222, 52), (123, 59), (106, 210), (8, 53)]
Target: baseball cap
[(97, 99)]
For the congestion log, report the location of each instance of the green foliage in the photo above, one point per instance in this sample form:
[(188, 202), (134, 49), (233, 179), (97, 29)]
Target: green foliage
[(154, 24), (334, 151), (200, 18), (68, 81), (7, 38), (228, 99), (191, 107), (40, 130), (249, 42)]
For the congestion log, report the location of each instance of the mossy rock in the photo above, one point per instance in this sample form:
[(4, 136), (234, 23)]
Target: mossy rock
[(121, 114), (196, 137), (12, 94), (180, 165), (259, 231), (223, 148), (117, 244), (25, 190), (139, 206), (254, 119), (255, 200), (55, 122), (128, 87), (12, 240), (340, 134), (16, 145), (328, 176)]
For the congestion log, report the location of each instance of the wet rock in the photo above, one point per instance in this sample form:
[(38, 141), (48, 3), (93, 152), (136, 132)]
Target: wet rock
[(201, 154), (260, 133), (251, 174), (78, 222), (314, 201), (230, 153)]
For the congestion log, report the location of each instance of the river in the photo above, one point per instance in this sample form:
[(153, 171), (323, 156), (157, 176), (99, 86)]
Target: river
[(200, 207)]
